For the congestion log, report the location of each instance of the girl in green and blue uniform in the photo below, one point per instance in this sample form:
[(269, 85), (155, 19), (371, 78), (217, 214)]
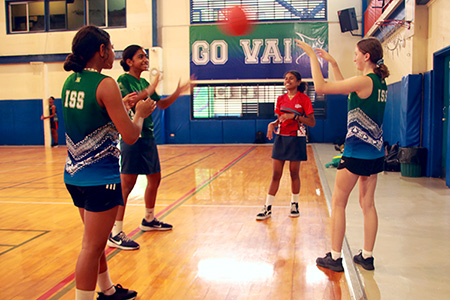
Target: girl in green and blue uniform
[(94, 115), (363, 155)]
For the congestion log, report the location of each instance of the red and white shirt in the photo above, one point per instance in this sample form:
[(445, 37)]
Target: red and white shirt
[(301, 103)]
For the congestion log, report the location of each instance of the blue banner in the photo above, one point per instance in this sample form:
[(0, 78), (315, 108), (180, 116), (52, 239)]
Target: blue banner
[(267, 52)]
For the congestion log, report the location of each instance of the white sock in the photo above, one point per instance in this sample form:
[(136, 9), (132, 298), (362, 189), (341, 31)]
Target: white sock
[(149, 214), (117, 228), (366, 254), (84, 295), (294, 198), (335, 255), (105, 283), (269, 199)]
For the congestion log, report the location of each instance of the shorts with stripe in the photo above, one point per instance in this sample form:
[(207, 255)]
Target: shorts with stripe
[(96, 198)]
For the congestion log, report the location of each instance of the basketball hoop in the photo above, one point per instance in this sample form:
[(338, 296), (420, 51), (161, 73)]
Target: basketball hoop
[(395, 22)]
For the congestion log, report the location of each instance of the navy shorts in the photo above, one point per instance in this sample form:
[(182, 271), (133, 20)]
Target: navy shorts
[(96, 198), (140, 158), (362, 167), (292, 148)]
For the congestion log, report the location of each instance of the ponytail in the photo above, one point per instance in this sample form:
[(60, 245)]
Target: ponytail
[(85, 44), (382, 71)]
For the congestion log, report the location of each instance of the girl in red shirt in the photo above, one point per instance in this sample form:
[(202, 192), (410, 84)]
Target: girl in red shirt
[(294, 111)]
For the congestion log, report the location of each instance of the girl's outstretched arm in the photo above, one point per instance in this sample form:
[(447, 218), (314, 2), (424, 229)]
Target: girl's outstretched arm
[(166, 102), (362, 85), (330, 59)]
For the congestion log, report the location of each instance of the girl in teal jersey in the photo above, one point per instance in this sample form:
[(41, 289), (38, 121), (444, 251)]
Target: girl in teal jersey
[(94, 115), (363, 155)]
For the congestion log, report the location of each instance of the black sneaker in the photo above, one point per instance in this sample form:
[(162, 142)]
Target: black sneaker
[(294, 210), (122, 241), (154, 225), (120, 294), (366, 263), (265, 213), (328, 262)]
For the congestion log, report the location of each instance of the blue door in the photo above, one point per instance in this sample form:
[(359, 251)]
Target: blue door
[(445, 123)]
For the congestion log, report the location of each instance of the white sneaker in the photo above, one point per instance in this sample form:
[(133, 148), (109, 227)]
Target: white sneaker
[(294, 210), (265, 213)]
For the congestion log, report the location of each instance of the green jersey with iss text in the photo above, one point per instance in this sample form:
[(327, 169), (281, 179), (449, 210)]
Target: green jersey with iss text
[(364, 138), (91, 136)]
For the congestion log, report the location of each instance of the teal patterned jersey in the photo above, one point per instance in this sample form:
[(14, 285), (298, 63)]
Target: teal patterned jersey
[(91, 137), (364, 138)]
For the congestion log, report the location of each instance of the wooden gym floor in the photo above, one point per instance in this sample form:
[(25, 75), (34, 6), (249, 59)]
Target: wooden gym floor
[(217, 250)]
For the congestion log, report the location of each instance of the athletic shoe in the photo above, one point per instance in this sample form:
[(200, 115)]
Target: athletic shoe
[(154, 225), (122, 241), (294, 210), (55, 145), (265, 213), (366, 263), (328, 262), (120, 294)]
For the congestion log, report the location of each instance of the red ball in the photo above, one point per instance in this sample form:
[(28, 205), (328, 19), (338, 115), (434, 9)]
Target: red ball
[(236, 22)]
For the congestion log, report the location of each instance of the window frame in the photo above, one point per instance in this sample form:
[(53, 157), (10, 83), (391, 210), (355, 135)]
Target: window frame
[(319, 102), (47, 15), (258, 10)]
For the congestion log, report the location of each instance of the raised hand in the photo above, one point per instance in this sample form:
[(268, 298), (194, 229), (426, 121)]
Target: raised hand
[(307, 48), (186, 86), (325, 55), (152, 87)]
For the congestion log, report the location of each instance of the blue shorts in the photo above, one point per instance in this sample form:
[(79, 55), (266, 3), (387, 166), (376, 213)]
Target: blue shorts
[(292, 148), (140, 158), (362, 167), (96, 198)]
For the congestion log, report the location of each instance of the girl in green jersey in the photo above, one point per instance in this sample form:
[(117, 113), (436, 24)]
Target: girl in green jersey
[(94, 115), (363, 155), (142, 157)]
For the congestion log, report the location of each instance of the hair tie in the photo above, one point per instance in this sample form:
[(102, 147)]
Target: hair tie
[(380, 62)]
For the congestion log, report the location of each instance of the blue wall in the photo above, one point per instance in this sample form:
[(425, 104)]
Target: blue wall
[(409, 119), (180, 129), (402, 118), (21, 122)]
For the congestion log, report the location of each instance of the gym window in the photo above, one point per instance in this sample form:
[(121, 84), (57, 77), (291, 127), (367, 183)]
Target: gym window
[(220, 101), (53, 15), (209, 11)]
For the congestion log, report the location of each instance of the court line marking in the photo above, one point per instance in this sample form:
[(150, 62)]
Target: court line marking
[(354, 283), (186, 153), (140, 204), (68, 283), (43, 232), (26, 182), (193, 163)]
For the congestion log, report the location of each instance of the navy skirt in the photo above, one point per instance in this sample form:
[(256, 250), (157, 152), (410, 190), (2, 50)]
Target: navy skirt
[(140, 158), (291, 148)]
